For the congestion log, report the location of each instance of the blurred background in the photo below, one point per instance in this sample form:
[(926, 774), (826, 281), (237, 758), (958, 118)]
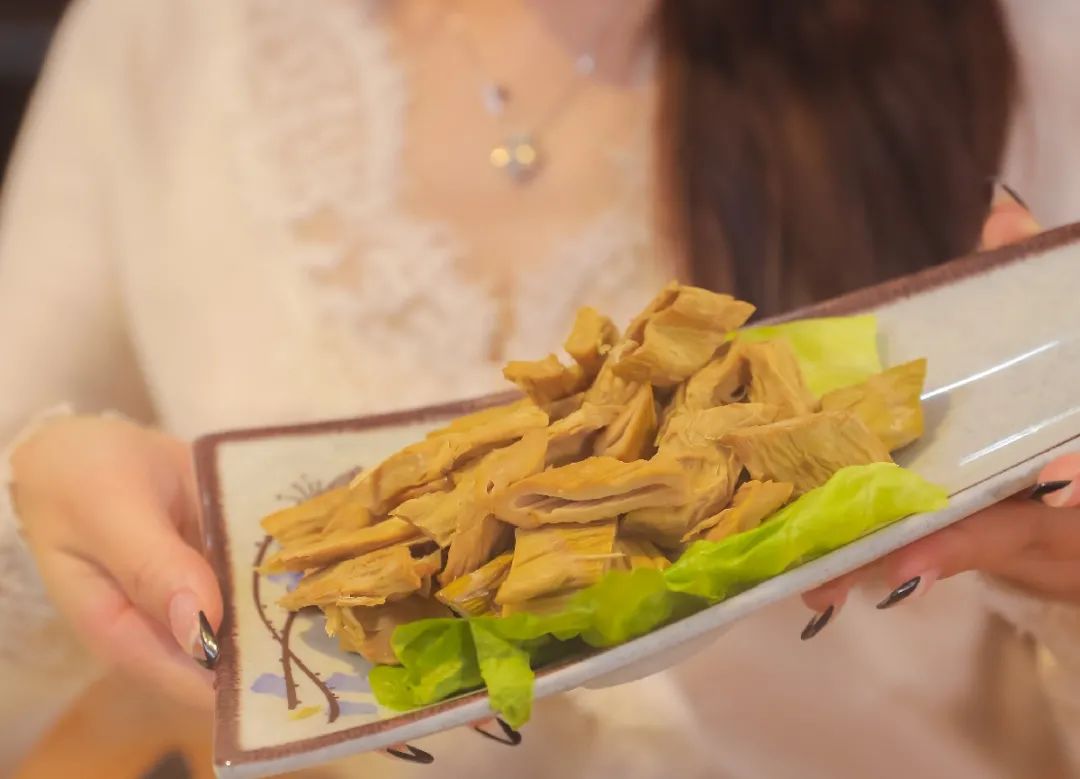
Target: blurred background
[(25, 29)]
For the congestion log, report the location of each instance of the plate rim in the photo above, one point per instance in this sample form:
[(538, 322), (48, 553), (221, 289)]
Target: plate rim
[(215, 539), (228, 754)]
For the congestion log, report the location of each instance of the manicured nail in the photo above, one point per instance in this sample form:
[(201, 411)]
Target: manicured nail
[(411, 754), (184, 621), (1042, 489), (901, 593), (509, 736), (1066, 496), (817, 623), (207, 643)]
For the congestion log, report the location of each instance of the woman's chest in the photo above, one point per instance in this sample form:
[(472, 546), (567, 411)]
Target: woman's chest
[(237, 322), (279, 265)]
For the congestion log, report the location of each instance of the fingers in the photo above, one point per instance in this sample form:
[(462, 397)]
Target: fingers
[(117, 631), (1021, 540), (834, 593), (105, 505), (1030, 544), (1056, 579), (184, 496), (1009, 221), (148, 544), (927, 559), (983, 541), (159, 573)]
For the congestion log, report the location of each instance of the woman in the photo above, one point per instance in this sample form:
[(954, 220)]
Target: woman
[(226, 214)]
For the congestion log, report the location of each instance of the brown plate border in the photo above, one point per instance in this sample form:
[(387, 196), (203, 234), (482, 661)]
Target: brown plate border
[(227, 751)]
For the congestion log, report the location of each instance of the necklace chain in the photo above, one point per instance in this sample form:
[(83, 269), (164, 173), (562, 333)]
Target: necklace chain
[(519, 154)]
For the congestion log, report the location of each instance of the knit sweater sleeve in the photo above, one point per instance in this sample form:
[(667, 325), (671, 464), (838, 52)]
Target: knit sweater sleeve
[(63, 339)]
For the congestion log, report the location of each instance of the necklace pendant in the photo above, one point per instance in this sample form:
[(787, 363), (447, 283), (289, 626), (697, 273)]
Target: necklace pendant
[(518, 157), (585, 64), (495, 97)]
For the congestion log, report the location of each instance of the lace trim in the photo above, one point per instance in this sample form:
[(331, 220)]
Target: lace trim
[(34, 635), (322, 108), (326, 109)]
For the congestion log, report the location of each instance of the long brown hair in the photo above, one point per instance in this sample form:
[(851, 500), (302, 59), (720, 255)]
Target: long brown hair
[(816, 146)]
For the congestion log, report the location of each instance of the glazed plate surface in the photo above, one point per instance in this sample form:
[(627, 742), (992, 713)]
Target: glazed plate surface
[(1001, 332)]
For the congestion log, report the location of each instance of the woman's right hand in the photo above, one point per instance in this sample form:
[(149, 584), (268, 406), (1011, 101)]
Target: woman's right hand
[(108, 509)]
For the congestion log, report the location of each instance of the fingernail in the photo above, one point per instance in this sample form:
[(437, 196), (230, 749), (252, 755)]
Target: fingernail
[(1065, 496), (901, 593), (411, 754), (184, 621), (817, 623), (207, 643), (1044, 488), (192, 630), (509, 736)]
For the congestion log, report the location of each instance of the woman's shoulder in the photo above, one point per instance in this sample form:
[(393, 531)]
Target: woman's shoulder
[(122, 27), (126, 48), (163, 57), (149, 34)]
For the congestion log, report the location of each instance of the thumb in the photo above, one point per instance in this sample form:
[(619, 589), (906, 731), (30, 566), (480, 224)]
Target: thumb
[(165, 578)]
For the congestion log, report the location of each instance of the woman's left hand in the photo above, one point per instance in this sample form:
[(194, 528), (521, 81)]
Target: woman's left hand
[(1032, 544)]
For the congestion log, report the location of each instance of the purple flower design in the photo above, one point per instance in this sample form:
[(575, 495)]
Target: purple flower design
[(352, 707), (269, 684), (289, 578), (339, 682)]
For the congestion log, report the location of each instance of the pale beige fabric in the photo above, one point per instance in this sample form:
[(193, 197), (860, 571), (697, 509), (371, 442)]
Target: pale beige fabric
[(152, 260)]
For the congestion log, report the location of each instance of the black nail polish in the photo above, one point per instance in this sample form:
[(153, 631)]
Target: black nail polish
[(1042, 489), (509, 736), (902, 592), (816, 623), (412, 754), (209, 643)]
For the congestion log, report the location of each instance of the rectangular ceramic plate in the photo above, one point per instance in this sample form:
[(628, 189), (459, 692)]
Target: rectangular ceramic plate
[(1002, 334)]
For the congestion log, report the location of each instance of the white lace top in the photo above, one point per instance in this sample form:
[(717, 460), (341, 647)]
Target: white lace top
[(203, 227)]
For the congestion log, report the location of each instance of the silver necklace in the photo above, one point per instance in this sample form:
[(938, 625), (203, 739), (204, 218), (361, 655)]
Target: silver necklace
[(520, 154)]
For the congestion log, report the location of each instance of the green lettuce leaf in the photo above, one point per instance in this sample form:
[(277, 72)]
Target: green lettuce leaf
[(833, 352), (438, 659), (442, 657), (855, 501), (507, 671)]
